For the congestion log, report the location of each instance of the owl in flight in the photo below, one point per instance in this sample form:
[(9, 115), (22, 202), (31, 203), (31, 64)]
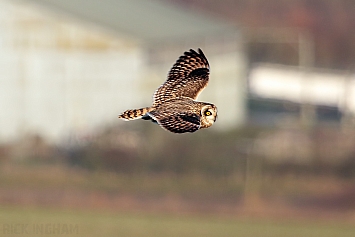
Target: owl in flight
[(174, 103)]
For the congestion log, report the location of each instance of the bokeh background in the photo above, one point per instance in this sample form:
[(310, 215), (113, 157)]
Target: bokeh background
[(280, 161)]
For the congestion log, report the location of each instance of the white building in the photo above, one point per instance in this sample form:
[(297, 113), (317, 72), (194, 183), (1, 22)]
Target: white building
[(72, 66), (315, 86)]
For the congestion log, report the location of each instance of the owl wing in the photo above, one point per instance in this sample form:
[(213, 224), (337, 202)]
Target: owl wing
[(187, 78), (177, 122)]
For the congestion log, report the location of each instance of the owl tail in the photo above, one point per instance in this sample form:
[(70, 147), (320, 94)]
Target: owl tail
[(132, 114)]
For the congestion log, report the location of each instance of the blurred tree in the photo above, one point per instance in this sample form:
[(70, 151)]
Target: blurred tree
[(331, 22)]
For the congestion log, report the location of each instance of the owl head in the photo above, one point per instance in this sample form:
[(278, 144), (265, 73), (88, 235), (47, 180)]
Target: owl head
[(208, 115)]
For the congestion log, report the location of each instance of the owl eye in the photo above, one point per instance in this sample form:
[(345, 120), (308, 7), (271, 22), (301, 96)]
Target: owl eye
[(208, 113)]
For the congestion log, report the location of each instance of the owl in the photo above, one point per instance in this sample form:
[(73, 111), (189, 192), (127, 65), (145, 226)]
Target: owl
[(174, 105)]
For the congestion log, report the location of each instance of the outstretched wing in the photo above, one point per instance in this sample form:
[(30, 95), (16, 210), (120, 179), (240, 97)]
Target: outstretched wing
[(177, 122), (187, 78)]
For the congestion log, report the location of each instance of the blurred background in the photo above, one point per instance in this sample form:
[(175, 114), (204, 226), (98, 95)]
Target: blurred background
[(280, 161)]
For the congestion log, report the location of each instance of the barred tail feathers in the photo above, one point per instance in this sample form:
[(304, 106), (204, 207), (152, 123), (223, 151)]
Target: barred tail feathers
[(132, 114)]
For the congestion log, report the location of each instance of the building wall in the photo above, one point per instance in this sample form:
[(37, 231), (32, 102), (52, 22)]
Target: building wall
[(59, 76)]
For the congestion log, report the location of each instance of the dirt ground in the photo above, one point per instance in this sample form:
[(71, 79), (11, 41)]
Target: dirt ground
[(340, 206)]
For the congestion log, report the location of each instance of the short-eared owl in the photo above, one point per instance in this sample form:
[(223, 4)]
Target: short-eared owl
[(174, 103)]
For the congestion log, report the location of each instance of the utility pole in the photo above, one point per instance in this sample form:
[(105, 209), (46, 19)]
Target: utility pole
[(305, 50), (306, 63)]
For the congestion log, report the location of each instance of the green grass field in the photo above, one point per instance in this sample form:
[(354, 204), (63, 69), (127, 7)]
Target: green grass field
[(17, 221)]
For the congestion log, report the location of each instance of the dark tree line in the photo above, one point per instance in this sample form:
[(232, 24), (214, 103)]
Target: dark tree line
[(332, 24)]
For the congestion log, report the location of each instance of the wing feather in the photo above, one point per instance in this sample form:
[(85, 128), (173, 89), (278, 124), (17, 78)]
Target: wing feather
[(177, 122), (187, 78)]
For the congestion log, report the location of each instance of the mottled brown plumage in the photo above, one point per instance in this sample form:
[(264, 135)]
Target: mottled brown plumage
[(174, 107), (188, 77)]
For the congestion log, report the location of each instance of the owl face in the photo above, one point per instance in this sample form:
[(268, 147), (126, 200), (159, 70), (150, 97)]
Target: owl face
[(208, 115)]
